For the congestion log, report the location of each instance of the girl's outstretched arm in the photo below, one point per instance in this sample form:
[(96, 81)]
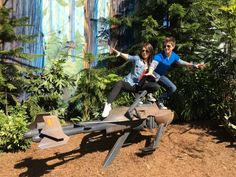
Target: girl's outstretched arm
[(120, 54)]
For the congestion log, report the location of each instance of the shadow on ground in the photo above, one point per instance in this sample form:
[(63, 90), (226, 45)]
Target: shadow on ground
[(92, 142)]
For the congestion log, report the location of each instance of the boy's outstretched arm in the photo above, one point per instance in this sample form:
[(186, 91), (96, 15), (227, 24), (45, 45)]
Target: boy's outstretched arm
[(190, 65)]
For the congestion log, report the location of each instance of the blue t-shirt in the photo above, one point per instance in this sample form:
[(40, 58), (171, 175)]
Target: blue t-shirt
[(137, 70), (163, 62)]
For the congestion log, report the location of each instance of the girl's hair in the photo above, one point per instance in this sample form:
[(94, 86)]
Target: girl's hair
[(148, 47)]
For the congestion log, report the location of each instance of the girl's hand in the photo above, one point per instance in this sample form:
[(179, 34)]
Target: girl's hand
[(116, 52), (150, 74)]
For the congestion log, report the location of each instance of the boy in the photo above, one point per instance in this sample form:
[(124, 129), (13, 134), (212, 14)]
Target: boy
[(159, 66)]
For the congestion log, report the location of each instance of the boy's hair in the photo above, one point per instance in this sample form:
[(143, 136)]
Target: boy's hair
[(170, 39)]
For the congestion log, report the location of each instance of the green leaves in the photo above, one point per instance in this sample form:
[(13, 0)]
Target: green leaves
[(48, 87), (90, 95), (12, 129), (150, 29), (7, 33), (176, 10), (205, 32)]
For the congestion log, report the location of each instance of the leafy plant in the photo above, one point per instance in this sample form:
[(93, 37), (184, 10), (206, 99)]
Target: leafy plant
[(12, 129), (46, 89), (12, 65), (90, 95), (205, 32)]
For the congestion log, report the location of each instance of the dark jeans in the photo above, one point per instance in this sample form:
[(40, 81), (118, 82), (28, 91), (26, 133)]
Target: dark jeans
[(169, 87), (125, 86)]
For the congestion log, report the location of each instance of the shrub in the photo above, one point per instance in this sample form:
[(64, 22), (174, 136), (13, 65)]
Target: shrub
[(12, 129)]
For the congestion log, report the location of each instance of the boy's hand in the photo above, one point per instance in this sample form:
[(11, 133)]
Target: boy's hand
[(200, 65)]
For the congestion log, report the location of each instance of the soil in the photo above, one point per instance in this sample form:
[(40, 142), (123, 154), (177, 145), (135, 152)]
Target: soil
[(200, 149)]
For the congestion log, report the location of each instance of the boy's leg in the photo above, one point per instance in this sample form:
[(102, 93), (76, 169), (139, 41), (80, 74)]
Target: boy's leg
[(170, 89)]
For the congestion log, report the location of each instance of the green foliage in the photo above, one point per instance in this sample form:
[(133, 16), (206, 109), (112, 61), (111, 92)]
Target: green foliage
[(33, 107), (202, 33), (190, 100), (12, 70), (176, 11), (127, 21), (46, 89), (90, 95), (12, 129), (11, 85), (7, 31), (205, 32), (150, 30)]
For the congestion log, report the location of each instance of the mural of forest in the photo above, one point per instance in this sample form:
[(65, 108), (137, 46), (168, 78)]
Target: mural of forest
[(59, 22)]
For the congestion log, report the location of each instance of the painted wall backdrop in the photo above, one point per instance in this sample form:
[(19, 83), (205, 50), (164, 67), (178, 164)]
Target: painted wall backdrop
[(33, 10), (77, 21), (59, 22)]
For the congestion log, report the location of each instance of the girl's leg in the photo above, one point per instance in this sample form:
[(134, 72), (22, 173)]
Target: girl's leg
[(118, 88), (151, 87)]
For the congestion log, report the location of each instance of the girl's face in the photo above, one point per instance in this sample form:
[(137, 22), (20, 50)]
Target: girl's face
[(145, 53), (168, 48)]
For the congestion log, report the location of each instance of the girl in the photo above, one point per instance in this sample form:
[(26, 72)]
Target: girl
[(130, 83)]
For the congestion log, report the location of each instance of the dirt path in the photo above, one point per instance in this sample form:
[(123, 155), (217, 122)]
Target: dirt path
[(190, 150)]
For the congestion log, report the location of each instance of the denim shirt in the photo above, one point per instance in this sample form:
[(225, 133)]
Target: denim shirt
[(137, 70)]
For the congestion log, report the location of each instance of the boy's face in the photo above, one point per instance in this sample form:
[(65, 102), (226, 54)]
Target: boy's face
[(168, 48)]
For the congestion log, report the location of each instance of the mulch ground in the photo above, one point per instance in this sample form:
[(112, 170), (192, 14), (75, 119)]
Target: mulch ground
[(200, 149)]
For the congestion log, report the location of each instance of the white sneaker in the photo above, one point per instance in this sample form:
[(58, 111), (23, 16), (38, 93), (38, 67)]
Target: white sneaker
[(106, 110), (140, 103), (161, 105), (151, 98)]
